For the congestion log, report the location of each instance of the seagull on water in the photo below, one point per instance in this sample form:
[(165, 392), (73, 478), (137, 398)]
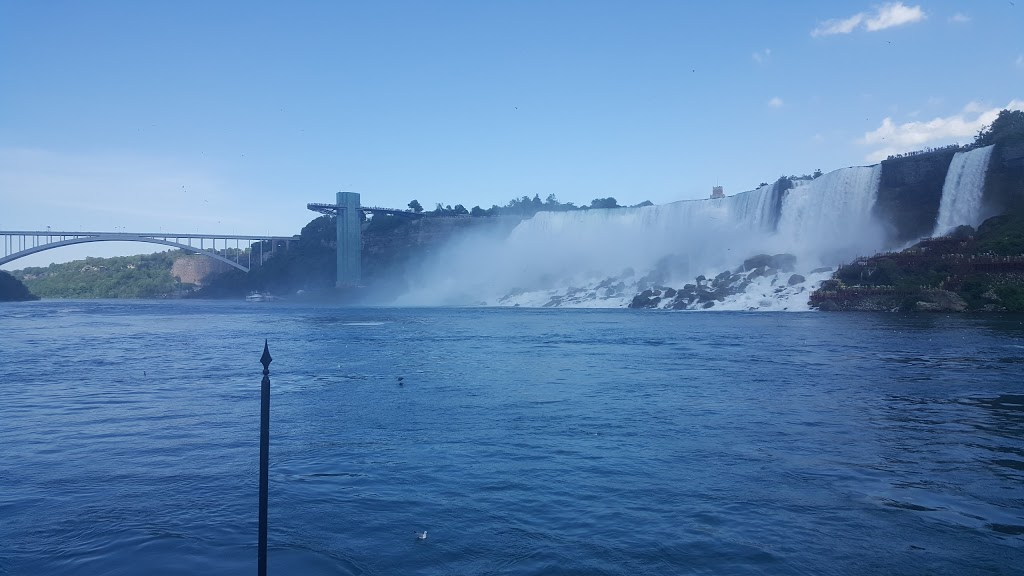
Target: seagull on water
[(400, 379), (422, 536)]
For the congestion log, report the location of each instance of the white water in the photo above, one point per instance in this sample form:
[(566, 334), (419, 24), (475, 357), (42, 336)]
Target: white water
[(561, 258), (828, 220), (962, 190)]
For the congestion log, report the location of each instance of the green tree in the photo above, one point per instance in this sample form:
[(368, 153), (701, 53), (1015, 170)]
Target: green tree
[(460, 210), (477, 211), (1007, 127), (608, 202), (11, 289), (415, 206), (322, 230)]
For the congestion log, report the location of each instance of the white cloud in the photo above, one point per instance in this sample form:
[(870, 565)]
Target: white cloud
[(892, 15), (842, 26), (959, 18), (886, 16), (775, 102), (762, 56), (891, 138)]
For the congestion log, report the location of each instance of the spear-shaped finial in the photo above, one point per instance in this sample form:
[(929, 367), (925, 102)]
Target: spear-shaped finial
[(266, 359), (264, 460)]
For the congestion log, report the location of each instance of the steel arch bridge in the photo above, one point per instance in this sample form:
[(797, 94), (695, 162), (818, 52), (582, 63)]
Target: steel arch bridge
[(21, 243)]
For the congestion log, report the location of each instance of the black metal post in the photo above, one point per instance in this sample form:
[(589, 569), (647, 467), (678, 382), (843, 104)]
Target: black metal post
[(264, 456)]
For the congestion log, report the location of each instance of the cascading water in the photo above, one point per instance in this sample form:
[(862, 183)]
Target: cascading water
[(603, 257), (962, 190), (828, 220)]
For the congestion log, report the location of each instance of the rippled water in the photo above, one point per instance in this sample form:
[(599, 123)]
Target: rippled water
[(523, 441)]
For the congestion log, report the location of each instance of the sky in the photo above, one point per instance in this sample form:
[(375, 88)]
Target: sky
[(229, 117)]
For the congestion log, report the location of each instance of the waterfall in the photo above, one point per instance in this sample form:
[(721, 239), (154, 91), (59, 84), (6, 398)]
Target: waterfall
[(962, 190), (600, 257), (828, 220)]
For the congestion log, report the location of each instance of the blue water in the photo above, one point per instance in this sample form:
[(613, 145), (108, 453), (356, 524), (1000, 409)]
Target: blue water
[(523, 441)]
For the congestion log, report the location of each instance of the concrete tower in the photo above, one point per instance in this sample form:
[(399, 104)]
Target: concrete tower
[(349, 239)]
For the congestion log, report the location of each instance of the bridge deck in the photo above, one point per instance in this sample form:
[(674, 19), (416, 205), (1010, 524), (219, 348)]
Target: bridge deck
[(20, 243), (66, 234)]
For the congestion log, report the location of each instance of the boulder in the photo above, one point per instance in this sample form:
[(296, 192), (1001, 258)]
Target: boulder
[(796, 279), (949, 301), (828, 306), (645, 300), (784, 262)]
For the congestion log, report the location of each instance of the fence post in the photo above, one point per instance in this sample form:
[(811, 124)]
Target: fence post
[(264, 457)]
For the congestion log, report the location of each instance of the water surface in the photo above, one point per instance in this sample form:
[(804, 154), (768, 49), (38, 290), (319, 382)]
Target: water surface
[(523, 441)]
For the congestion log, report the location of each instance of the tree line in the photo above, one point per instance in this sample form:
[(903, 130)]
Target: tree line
[(524, 206)]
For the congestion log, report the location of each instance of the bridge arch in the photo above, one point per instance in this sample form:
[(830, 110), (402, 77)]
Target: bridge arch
[(118, 238)]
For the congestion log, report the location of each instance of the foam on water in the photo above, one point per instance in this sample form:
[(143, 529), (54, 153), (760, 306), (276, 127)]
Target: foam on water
[(962, 190)]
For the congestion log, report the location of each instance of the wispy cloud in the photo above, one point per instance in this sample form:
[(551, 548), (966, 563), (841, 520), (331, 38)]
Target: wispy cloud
[(891, 138), (762, 56), (959, 18), (1020, 61), (838, 26), (886, 16), (775, 102), (892, 15)]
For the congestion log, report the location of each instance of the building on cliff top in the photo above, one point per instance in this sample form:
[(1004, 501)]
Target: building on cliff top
[(717, 192)]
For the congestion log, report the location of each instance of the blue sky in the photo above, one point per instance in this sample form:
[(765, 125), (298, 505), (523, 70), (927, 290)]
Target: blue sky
[(230, 116)]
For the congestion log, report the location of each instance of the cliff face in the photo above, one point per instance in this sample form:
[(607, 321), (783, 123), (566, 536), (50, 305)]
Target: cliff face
[(1004, 183), (391, 243), (194, 268), (910, 192)]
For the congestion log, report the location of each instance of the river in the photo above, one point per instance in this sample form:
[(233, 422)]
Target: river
[(523, 441)]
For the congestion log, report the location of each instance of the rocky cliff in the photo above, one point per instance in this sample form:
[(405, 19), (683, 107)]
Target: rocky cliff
[(909, 194), (195, 268), (1004, 183), (391, 243), (979, 270)]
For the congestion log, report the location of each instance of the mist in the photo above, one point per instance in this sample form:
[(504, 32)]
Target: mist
[(823, 222)]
